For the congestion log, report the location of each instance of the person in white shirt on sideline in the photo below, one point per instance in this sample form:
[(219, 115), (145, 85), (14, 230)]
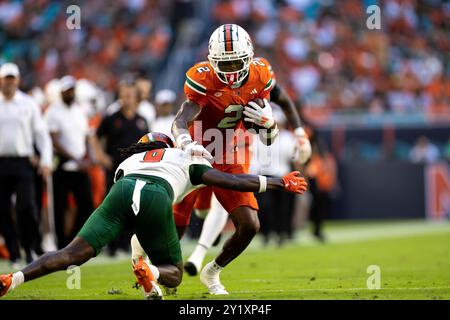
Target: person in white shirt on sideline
[(21, 126), (275, 209), (69, 130), (164, 101)]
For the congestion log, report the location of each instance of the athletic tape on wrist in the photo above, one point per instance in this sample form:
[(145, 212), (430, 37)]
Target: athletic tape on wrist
[(182, 138)]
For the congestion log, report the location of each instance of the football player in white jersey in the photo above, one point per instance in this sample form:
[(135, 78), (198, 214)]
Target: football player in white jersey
[(153, 177)]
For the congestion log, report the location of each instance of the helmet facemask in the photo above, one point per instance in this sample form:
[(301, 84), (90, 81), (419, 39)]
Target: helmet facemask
[(231, 70)]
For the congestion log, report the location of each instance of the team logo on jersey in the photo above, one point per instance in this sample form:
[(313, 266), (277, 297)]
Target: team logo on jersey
[(218, 94)]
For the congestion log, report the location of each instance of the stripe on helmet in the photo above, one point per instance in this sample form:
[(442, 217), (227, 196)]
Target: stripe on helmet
[(225, 37), (231, 37), (228, 37)]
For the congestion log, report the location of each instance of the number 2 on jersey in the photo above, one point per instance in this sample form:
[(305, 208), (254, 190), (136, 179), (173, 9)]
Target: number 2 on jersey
[(154, 155), (230, 122)]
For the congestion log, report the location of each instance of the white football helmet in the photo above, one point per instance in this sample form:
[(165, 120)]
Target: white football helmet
[(230, 53)]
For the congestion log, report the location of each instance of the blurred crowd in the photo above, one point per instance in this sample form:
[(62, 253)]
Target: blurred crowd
[(327, 57), (115, 37), (321, 51)]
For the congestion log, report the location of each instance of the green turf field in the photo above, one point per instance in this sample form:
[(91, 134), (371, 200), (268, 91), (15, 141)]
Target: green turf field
[(414, 258)]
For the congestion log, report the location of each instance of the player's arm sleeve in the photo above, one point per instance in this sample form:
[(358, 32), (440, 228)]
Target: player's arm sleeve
[(269, 67), (118, 174), (265, 93), (194, 90), (196, 172), (266, 81)]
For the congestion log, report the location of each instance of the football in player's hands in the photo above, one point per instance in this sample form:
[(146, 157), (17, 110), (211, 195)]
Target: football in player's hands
[(250, 126)]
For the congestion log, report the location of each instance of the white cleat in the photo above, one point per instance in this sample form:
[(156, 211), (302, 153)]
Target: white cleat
[(217, 289), (212, 281)]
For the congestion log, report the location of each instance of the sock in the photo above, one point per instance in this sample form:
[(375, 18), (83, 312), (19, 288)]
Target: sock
[(137, 250), (198, 255), (155, 271), (214, 223), (17, 280), (212, 226)]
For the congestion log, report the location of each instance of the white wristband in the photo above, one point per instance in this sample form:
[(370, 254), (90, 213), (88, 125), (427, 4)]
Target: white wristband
[(182, 138), (262, 183)]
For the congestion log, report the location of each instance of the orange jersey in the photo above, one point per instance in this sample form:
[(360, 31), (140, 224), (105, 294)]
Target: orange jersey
[(266, 62), (222, 105)]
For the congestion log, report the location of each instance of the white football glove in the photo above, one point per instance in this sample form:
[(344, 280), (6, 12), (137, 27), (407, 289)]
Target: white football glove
[(260, 116), (197, 150), (185, 143), (302, 147)]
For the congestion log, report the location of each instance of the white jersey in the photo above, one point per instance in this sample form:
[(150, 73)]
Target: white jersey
[(171, 164), (273, 160)]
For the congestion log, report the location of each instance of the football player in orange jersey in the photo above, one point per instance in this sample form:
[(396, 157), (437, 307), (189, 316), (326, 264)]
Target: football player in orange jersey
[(219, 96), (208, 208)]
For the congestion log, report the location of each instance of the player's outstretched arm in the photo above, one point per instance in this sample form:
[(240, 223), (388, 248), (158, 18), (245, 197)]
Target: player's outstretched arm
[(292, 182), (188, 112)]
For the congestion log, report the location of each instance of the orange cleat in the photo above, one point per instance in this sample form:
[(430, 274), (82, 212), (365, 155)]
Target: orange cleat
[(5, 283), (147, 280)]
